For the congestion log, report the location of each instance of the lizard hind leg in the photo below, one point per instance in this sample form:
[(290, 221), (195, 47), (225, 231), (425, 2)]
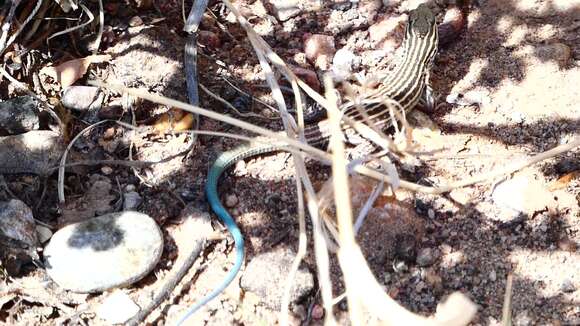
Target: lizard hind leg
[(427, 100)]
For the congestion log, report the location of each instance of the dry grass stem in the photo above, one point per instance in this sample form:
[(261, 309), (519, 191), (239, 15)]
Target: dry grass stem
[(241, 91), (377, 190), (342, 203), (506, 319), (324, 157), (229, 105), (317, 153), (21, 27), (101, 27), (74, 28), (62, 165), (301, 177), (273, 57)]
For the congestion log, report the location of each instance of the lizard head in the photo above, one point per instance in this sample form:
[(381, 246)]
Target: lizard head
[(421, 21)]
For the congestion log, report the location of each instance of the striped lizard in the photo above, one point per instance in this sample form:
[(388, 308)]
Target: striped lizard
[(406, 86)]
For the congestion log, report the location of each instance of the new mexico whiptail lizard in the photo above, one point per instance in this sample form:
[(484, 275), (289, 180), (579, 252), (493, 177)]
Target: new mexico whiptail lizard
[(406, 85)]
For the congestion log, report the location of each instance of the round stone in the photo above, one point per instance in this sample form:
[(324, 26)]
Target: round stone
[(427, 257), (105, 252), (132, 200), (231, 200)]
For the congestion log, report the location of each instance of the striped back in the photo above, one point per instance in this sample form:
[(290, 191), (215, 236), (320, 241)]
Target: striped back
[(403, 88)]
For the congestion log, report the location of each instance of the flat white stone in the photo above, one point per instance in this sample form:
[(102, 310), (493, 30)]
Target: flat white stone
[(105, 252)]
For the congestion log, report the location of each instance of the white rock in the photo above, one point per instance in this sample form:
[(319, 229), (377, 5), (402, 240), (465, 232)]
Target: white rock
[(43, 233), (523, 195), (343, 62), (105, 252), (82, 98), (285, 9), (117, 308)]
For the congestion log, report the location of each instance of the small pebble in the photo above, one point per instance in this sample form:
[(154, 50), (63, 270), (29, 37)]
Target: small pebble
[(420, 286), (105, 252), (522, 319), (231, 200), (319, 49), (431, 213), (568, 286), (521, 195), (107, 170), (427, 257), (317, 312), (117, 308), (343, 63), (285, 9), (35, 152), (82, 98), (110, 133), (187, 194), (387, 277), (434, 280), (451, 26), (132, 200), (400, 266), (309, 77), (44, 234), (558, 52), (493, 276), (135, 21)]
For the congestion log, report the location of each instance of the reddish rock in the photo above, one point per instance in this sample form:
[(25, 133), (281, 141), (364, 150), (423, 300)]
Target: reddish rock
[(317, 312), (452, 24), (209, 39), (319, 49), (308, 76), (455, 17)]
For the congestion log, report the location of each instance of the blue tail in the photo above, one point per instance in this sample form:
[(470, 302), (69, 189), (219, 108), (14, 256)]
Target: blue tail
[(212, 197)]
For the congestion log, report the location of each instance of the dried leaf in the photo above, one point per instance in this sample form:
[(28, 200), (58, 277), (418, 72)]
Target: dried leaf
[(176, 120), (563, 181), (69, 72)]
